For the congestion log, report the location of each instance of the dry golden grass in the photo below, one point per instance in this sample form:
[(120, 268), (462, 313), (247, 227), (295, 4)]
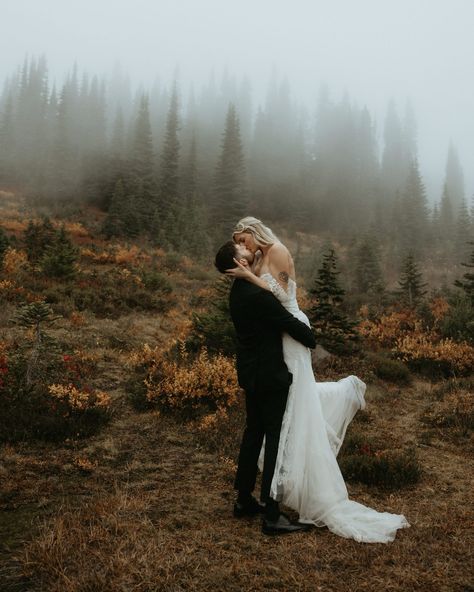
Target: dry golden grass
[(143, 507), (147, 504)]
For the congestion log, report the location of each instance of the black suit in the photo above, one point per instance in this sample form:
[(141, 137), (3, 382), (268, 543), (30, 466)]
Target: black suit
[(259, 321)]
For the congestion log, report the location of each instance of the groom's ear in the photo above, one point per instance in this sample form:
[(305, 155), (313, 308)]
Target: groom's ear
[(244, 262)]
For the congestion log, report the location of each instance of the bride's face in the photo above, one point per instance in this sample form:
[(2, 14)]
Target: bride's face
[(246, 239), (242, 253)]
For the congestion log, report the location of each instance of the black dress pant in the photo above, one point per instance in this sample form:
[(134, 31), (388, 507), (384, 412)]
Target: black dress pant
[(265, 411)]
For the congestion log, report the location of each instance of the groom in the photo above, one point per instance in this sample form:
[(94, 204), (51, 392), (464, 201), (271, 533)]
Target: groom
[(259, 321)]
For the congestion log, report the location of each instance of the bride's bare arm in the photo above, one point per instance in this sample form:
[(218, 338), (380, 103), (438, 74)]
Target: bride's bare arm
[(280, 264), (245, 273)]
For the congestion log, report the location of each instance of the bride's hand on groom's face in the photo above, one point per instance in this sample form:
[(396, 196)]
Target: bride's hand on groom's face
[(240, 271)]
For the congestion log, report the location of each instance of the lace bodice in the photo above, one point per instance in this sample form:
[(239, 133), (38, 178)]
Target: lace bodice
[(286, 297)]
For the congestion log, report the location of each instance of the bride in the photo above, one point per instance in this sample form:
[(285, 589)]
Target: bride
[(307, 477)]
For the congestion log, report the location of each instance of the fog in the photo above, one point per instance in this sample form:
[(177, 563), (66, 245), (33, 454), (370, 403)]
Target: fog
[(374, 50)]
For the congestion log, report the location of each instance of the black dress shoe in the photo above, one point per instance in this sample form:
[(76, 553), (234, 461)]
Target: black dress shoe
[(250, 508), (283, 525)]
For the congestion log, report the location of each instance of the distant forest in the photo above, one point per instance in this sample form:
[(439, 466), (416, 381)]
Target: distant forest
[(183, 169)]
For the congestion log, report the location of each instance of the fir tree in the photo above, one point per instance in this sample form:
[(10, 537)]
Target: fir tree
[(414, 229), (454, 177), (59, 259), (114, 224), (4, 244), (411, 288), (368, 274), (332, 327), (142, 195), (38, 237), (230, 197), (214, 329), (170, 156), (467, 283), (462, 232), (446, 215)]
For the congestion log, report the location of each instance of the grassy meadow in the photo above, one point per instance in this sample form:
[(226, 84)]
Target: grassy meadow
[(119, 443)]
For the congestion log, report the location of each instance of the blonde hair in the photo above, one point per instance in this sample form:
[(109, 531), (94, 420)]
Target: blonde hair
[(262, 234)]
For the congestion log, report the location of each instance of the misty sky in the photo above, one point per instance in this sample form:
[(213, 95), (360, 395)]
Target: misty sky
[(373, 49)]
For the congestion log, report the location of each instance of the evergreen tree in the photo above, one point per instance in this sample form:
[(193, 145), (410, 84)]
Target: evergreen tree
[(4, 244), (38, 237), (446, 215), (189, 175), (393, 162), (414, 229), (333, 329), (114, 224), (230, 196), (454, 177), (411, 288), (214, 329), (368, 273), (59, 259), (170, 157), (467, 283), (462, 232), (142, 193)]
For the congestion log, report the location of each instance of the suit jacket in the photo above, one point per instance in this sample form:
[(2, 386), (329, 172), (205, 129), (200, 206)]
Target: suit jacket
[(260, 319)]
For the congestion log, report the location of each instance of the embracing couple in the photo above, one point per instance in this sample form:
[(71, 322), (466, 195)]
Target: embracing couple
[(294, 425)]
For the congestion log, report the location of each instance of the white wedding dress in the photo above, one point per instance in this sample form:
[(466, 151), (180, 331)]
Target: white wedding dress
[(307, 476)]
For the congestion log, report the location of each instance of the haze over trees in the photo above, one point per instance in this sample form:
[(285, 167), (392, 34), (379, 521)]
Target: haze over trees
[(183, 167)]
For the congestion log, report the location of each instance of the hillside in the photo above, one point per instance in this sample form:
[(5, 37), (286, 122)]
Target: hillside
[(143, 501)]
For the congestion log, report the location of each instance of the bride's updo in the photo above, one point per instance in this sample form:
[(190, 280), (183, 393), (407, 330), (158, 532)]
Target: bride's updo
[(263, 235)]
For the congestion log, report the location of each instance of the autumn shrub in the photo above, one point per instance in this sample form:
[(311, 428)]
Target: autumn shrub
[(114, 293), (221, 431), (44, 392), (172, 261), (156, 281), (458, 323), (444, 357), (366, 460), (179, 382), (420, 346), (53, 406), (388, 369)]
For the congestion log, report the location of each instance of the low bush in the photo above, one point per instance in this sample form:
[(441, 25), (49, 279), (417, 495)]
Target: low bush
[(57, 404), (45, 393), (364, 460), (191, 386), (389, 369)]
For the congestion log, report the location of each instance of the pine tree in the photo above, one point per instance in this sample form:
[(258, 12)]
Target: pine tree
[(170, 157), (393, 161), (114, 224), (59, 259), (142, 194), (368, 273), (38, 237), (467, 283), (4, 244), (446, 215), (214, 329), (462, 232), (332, 327), (414, 228), (411, 288), (230, 196), (454, 177)]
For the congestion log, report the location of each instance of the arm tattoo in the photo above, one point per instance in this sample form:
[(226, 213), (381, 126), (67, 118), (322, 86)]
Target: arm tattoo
[(283, 276)]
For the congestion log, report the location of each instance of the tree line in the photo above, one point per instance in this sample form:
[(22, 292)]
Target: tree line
[(183, 168)]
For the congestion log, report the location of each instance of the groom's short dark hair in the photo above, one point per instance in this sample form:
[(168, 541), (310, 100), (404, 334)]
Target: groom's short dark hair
[(225, 257)]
